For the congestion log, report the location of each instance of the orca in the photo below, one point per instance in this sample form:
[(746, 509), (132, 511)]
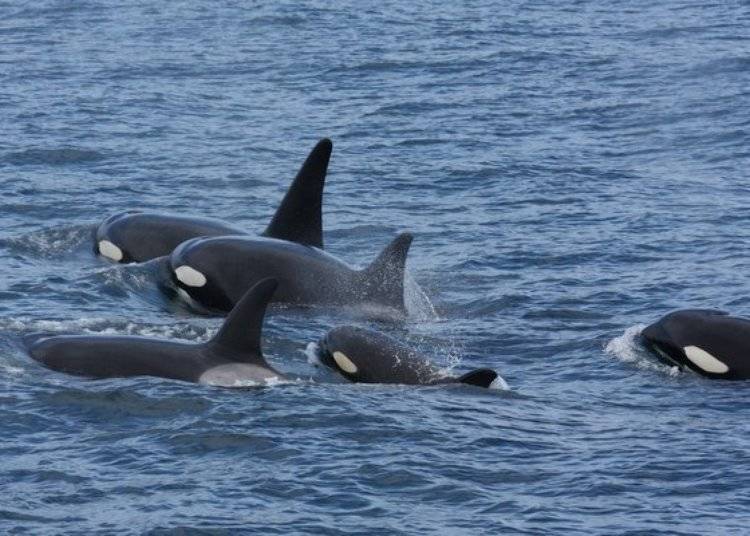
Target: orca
[(215, 272), (709, 342), (366, 356), (141, 236), (232, 358)]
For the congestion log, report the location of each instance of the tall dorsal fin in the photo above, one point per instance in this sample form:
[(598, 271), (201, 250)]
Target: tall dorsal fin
[(479, 377), (299, 216), (240, 333), (384, 278)]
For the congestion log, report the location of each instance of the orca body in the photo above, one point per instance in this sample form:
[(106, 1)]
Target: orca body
[(709, 342), (216, 272), (142, 236), (232, 358), (366, 356)]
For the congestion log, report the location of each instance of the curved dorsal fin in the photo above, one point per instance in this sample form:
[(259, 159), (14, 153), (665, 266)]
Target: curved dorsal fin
[(299, 216), (384, 278), (239, 336)]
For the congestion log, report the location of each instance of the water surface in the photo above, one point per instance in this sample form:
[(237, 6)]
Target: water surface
[(571, 173)]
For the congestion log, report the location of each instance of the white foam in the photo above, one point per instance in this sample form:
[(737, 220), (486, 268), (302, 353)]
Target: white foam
[(268, 382), (10, 369), (108, 249), (627, 348), (311, 352), (190, 276), (704, 360), (133, 275), (106, 326), (271, 382)]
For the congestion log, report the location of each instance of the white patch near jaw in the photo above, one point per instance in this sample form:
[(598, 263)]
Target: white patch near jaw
[(190, 276), (704, 360), (500, 384), (188, 298), (108, 249), (666, 356), (344, 362)]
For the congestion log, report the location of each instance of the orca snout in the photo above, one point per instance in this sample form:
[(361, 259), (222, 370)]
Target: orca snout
[(106, 242), (655, 339), (326, 346), (650, 334), (322, 354)]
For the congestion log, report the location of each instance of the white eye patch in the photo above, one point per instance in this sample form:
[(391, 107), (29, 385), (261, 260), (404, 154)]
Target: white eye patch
[(190, 276), (109, 250), (704, 360), (344, 363)]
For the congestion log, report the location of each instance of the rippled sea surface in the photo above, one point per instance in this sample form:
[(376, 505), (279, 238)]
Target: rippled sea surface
[(571, 171)]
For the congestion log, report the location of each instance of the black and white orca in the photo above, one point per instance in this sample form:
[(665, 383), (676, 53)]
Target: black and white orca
[(232, 358), (216, 272), (142, 236), (709, 342), (366, 356)]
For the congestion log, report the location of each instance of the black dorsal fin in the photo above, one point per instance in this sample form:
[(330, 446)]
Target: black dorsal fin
[(384, 278), (299, 217), (480, 377), (239, 336)]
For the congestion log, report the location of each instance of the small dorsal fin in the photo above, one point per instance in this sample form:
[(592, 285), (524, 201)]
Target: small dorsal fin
[(480, 377), (384, 278), (299, 216), (240, 333)]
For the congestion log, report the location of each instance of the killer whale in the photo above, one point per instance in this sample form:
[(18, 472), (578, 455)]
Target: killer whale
[(215, 272), (366, 356), (232, 358), (141, 236), (709, 342)]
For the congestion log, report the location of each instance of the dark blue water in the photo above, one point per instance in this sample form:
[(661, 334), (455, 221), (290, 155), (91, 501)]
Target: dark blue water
[(571, 171)]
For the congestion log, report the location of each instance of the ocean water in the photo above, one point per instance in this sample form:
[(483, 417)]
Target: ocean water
[(571, 171)]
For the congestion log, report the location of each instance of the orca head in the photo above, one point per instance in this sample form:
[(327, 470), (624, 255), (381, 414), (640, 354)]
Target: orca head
[(191, 278), (679, 339), (362, 355), (108, 238), (661, 344), (367, 356), (346, 350)]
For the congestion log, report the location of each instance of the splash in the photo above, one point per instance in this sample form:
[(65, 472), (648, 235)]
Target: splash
[(627, 348), (311, 351), (274, 381), (453, 352), (106, 326), (134, 276), (418, 304)]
